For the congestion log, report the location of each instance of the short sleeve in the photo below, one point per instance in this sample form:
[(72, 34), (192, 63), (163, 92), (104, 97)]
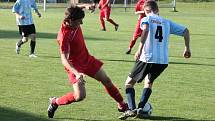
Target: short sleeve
[(16, 7), (176, 29), (139, 5), (144, 21)]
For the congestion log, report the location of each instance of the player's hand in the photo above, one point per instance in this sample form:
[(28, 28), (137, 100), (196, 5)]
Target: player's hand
[(39, 15), (102, 7), (80, 77), (137, 55), (92, 8), (21, 17), (187, 53), (99, 6)]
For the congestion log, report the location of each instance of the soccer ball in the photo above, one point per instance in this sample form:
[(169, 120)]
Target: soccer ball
[(147, 109)]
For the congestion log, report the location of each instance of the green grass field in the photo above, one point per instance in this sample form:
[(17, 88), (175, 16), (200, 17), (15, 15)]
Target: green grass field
[(185, 91)]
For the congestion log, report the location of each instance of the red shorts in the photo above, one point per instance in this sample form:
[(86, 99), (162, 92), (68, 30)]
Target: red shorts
[(105, 13), (90, 69)]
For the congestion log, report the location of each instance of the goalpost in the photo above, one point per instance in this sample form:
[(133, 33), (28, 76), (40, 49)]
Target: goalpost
[(129, 4), (44, 5), (55, 3), (168, 4)]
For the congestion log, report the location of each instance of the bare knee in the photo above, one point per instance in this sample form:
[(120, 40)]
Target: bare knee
[(129, 83), (102, 76), (106, 19), (148, 83)]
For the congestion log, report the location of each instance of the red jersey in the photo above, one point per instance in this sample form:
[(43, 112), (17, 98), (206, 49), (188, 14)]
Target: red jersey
[(71, 41), (102, 3), (139, 6)]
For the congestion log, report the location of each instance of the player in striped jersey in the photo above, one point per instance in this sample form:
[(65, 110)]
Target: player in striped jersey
[(152, 55), (24, 20)]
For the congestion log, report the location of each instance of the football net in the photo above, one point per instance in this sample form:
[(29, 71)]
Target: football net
[(126, 4), (46, 4), (167, 4), (131, 4)]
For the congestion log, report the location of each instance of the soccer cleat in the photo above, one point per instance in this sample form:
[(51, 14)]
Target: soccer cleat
[(32, 56), (103, 29), (17, 48), (52, 107), (128, 51), (126, 114), (116, 27), (141, 114), (123, 107)]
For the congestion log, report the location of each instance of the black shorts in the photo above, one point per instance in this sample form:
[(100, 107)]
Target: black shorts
[(26, 30), (141, 69)]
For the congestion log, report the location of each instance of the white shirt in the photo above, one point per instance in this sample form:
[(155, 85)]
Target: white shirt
[(23, 7), (155, 49)]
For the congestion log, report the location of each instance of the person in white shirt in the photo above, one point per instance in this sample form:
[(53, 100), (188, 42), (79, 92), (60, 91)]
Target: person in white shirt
[(152, 56), (24, 20)]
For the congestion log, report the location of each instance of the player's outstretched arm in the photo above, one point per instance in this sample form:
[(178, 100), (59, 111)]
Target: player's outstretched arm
[(187, 52), (38, 13), (139, 12), (34, 6), (90, 7)]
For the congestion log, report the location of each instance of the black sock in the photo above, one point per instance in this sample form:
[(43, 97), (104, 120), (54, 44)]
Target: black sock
[(19, 43), (145, 96), (130, 92), (32, 44)]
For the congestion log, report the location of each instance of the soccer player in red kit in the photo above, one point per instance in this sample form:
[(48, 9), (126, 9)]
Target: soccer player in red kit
[(138, 31), (78, 62), (105, 9)]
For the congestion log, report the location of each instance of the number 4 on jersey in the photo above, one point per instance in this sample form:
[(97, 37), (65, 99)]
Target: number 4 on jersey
[(159, 33)]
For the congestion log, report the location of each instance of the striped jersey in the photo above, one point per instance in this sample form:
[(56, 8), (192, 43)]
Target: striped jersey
[(23, 7), (155, 49)]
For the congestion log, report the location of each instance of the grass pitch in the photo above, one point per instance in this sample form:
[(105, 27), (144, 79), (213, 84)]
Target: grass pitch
[(185, 91)]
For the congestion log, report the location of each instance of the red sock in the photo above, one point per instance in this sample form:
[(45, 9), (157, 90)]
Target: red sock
[(132, 43), (114, 93), (66, 99)]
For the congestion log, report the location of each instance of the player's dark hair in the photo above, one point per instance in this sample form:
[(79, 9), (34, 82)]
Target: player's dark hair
[(152, 5), (73, 13), (96, 1)]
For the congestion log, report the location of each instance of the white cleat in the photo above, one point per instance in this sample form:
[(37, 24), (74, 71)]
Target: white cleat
[(32, 56), (17, 48)]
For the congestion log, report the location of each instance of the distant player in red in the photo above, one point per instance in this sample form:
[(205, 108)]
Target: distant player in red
[(138, 31), (78, 62), (105, 9)]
